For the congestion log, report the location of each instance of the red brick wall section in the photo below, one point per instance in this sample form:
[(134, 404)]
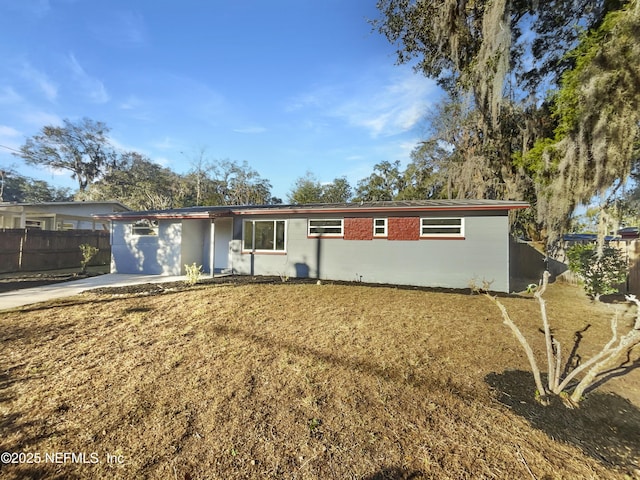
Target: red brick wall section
[(404, 228), (358, 228)]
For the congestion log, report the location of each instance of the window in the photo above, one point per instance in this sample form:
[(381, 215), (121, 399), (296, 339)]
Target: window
[(145, 227), (442, 227), (326, 228), (34, 224), (264, 235), (379, 227)]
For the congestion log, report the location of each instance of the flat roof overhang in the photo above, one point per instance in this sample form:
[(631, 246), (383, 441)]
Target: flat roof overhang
[(345, 208)]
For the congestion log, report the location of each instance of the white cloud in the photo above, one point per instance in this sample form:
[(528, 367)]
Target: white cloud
[(40, 80), (389, 109), (9, 96), (9, 139), (40, 119), (132, 102), (318, 98), (8, 131), (93, 88), (165, 144), (383, 102)]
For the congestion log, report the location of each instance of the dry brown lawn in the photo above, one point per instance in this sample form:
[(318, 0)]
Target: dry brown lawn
[(303, 381)]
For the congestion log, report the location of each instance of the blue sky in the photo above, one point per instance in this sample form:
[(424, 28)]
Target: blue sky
[(288, 85)]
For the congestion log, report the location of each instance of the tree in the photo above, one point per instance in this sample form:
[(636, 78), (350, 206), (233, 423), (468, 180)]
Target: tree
[(495, 60), (383, 184), (477, 47), (204, 186), (3, 174), (423, 179), (140, 184), (18, 188), (83, 148), (338, 191), (308, 189), (597, 112), (601, 272), (144, 185), (239, 184)]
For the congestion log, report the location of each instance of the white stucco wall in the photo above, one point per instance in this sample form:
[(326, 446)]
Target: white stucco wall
[(150, 254)]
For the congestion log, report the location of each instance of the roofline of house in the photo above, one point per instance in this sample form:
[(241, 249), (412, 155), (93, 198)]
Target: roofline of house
[(304, 210), (217, 212), (58, 204)]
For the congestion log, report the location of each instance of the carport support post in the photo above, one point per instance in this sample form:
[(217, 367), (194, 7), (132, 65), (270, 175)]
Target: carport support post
[(212, 248)]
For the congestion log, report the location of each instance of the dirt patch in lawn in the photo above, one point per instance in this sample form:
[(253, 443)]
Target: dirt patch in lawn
[(303, 381)]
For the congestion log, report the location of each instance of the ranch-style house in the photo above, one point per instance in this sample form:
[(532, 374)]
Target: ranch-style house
[(433, 243)]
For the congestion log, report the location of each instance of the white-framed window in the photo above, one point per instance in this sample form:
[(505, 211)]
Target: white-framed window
[(333, 227), (442, 227), (145, 227), (34, 224), (379, 227), (264, 235)]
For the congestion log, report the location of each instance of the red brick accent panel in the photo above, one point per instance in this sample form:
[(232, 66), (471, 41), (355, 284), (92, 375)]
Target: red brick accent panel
[(358, 228), (404, 228)]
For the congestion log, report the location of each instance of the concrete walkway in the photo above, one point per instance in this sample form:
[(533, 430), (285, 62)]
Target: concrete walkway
[(27, 296)]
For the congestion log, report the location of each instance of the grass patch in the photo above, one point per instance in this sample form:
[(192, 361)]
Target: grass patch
[(304, 381)]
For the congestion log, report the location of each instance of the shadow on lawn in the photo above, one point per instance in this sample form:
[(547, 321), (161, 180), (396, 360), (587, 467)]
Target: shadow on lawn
[(394, 473), (16, 422), (386, 373), (605, 427)]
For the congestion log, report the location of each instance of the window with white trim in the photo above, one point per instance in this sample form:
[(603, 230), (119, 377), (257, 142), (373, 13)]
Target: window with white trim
[(441, 227), (379, 227), (145, 227), (264, 235), (326, 227), (34, 224)]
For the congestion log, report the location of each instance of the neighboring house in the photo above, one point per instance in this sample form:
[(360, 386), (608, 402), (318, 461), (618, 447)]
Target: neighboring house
[(629, 233), (436, 243), (58, 215)]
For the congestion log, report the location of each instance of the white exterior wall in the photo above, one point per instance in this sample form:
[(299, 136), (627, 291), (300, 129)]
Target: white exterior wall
[(150, 254), (193, 247)]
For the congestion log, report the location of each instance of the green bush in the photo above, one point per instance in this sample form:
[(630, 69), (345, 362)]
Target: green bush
[(600, 275)]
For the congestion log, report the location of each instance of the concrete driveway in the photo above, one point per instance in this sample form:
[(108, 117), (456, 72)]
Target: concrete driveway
[(27, 296)]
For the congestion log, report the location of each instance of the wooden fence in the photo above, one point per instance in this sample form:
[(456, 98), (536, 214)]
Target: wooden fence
[(29, 250), (528, 263), (631, 251)]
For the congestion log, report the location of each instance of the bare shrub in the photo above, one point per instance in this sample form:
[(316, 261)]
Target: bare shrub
[(561, 381), (193, 273), (88, 252)]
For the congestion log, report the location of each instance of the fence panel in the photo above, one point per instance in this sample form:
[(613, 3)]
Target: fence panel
[(33, 250), (633, 254)]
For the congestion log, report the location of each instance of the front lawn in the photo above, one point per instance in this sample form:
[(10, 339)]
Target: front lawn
[(303, 381)]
